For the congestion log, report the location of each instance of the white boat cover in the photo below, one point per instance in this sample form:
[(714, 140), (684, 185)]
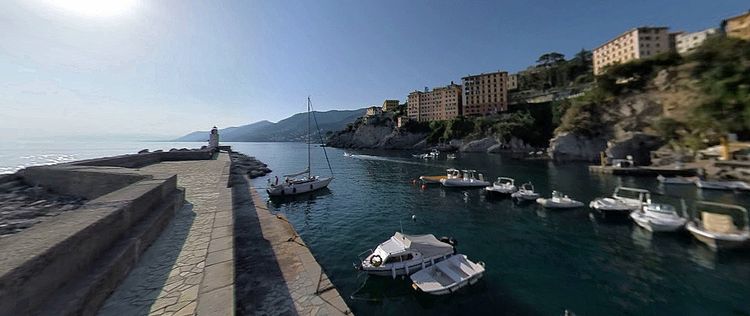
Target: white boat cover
[(427, 245)]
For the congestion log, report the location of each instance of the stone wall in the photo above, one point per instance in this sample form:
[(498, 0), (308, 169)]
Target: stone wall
[(70, 264)]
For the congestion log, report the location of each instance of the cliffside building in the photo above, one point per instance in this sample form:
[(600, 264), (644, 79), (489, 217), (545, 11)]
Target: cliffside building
[(641, 42), (687, 42), (373, 110), (440, 104), (737, 26), (485, 94), (512, 82), (390, 105)]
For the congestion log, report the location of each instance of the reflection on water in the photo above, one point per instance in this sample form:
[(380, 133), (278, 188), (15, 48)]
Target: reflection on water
[(538, 261)]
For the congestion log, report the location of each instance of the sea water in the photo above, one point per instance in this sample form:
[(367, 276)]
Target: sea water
[(538, 261)]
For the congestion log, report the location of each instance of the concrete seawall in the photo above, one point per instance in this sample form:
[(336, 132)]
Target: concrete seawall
[(69, 264), (156, 236)]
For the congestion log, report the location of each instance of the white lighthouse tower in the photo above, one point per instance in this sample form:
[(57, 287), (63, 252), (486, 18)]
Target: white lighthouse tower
[(213, 140)]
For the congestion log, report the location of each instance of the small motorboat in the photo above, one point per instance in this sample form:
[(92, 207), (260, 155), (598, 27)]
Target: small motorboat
[(722, 185), (405, 254), (347, 154), (623, 201), (659, 217), (525, 193), (464, 178), (503, 185), (450, 156), (676, 180), (559, 200), (448, 276), (437, 179), (714, 225), (431, 155)]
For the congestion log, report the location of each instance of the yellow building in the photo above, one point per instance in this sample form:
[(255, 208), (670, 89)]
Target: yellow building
[(641, 42), (390, 105), (440, 104), (485, 94), (737, 26)]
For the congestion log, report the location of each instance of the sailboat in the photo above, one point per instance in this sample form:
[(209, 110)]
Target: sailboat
[(304, 181)]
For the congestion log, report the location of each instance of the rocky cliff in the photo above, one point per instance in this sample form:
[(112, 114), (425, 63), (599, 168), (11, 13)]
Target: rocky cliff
[(378, 132), (625, 122)]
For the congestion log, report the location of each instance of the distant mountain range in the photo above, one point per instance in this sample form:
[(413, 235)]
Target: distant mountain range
[(293, 128)]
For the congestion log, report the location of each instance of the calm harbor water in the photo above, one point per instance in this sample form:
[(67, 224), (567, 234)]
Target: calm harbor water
[(539, 262)]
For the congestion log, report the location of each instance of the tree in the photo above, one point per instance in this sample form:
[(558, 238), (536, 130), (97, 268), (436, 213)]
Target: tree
[(550, 59)]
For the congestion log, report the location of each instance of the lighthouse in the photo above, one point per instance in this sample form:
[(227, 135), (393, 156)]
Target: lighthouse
[(213, 140)]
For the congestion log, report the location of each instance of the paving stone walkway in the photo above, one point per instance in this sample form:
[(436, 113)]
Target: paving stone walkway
[(189, 269), (301, 280)]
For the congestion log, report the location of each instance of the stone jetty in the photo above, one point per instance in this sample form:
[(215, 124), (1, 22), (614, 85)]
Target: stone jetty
[(153, 233)]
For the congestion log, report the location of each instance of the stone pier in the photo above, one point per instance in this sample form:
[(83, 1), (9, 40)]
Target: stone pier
[(285, 277), (189, 269)]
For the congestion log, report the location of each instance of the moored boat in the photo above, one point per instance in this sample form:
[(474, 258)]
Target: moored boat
[(464, 178), (658, 217), (559, 200), (722, 185), (623, 201), (503, 185), (448, 276), (525, 193), (305, 181), (405, 254), (676, 180), (436, 179), (720, 226)]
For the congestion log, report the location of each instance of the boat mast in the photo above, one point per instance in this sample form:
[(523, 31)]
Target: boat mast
[(308, 138)]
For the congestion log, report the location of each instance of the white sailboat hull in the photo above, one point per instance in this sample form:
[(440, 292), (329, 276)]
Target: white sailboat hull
[(285, 189)]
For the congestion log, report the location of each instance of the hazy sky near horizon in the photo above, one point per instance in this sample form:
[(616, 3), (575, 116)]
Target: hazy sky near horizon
[(165, 68)]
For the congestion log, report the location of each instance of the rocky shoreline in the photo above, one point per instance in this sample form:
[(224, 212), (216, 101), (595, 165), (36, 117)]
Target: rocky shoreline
[(23, 206), (244, 164)]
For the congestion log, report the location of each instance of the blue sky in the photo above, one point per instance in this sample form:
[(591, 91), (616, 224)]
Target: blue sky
[(164, 68)]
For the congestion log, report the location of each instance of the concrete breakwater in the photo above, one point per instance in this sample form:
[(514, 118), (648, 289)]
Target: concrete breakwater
[(68, 263), (276, 272), (149, 233)]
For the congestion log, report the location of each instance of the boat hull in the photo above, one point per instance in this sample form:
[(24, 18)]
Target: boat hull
[(456, 183), (448, 276), (432, 179), (719, 241), (408, 269), (496, 190), (454, 288), (299, 188), (657, 225), (549, 203)]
